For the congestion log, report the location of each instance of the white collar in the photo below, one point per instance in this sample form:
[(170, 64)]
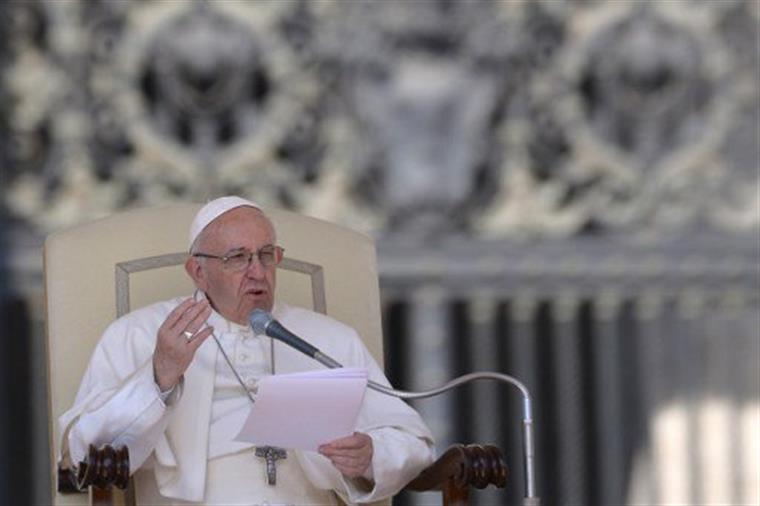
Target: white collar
[(223, 325)]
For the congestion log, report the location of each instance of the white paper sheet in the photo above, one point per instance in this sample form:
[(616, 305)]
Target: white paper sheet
[(304, 410)]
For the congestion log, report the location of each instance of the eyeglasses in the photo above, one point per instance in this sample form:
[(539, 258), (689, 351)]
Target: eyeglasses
[(239, 260)]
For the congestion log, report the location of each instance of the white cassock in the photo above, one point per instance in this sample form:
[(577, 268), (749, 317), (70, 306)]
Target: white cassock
[(183, 449)]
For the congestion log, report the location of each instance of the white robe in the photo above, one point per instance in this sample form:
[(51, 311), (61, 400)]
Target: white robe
[(118, 403)]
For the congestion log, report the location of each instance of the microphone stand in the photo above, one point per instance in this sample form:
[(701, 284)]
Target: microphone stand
[(530, 498), (263, 323)]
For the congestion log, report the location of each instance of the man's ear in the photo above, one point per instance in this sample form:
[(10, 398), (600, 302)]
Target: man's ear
[(195, 271)]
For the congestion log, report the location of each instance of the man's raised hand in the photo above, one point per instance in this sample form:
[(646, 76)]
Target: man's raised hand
[(174, 348)]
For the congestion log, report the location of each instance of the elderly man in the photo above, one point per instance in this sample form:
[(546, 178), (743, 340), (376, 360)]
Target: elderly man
[(157, 384)]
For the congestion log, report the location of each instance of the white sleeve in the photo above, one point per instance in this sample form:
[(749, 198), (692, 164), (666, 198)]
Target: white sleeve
[(134, 415), (398, 457), (119, 403)]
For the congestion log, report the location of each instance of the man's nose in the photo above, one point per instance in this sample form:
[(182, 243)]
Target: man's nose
[(255, 269)]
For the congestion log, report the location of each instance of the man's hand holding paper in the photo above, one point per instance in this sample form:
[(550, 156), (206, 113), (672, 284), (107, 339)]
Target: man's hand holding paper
[(351, 455)]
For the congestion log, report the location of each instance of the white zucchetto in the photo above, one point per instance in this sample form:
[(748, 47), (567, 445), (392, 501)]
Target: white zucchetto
[(212, 211)]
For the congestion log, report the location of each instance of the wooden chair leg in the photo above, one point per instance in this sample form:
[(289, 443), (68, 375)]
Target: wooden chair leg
[(454, 495), (101, 496)]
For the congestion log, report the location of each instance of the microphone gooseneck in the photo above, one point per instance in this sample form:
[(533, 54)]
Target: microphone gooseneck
[(263, 323)]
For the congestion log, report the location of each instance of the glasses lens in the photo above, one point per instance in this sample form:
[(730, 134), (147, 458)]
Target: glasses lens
[(238, 261), (267, 255)]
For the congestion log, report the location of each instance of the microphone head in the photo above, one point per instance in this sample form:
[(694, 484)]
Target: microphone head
[(259, 319)]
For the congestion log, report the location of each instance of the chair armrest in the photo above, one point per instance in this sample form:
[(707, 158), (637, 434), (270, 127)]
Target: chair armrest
[(458, 469), (462, 467), (103, 468)]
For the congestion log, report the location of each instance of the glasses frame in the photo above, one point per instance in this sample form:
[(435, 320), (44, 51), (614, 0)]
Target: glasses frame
[(279, 252)]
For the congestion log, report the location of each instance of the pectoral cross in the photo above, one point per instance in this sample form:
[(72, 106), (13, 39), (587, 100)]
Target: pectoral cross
[(272, 454)]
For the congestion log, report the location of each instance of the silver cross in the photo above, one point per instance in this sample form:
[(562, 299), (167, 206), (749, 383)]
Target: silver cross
[(272, 454)]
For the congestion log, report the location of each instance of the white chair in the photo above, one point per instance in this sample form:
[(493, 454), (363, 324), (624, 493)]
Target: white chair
[(101, 270)]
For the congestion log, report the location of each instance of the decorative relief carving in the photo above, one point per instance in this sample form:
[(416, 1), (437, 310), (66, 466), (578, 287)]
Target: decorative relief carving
[(487, 118), (623, 133), (163, 100)]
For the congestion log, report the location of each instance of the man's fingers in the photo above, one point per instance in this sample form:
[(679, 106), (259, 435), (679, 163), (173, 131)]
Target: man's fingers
[(346, 459), (347, 452), (199, 337), (177, 313), (189, 315), (197, 322), (354, 441), (351, 455), (173, 351)]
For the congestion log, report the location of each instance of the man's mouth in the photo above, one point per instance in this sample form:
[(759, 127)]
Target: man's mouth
[(256, 292)]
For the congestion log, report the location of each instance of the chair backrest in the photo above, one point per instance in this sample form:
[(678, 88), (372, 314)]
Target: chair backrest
[(100, 270)]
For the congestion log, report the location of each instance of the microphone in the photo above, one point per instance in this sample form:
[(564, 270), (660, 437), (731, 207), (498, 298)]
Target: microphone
[(263, 323)]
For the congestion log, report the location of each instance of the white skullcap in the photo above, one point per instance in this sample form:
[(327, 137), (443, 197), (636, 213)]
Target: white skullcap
[(212, 211)]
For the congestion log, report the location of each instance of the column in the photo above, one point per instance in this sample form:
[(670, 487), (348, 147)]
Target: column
[(572, 428), (608, 393), (429, 352)]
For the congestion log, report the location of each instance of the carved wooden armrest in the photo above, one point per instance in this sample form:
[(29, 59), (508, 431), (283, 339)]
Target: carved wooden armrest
[(103, 468), (460, 468)]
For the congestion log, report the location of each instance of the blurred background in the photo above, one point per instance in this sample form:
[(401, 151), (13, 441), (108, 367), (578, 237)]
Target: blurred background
[(566, 191)]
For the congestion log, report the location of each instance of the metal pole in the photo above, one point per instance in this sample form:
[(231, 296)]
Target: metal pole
[(528, 448)]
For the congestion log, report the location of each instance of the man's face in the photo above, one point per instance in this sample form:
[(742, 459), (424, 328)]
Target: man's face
[(234, 294)]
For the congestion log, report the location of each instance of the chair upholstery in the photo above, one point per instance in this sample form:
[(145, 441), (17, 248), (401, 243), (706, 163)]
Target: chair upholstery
[(100, 270)]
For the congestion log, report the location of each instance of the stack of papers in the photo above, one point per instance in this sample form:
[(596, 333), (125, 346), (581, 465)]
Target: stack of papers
[(304, 410)]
